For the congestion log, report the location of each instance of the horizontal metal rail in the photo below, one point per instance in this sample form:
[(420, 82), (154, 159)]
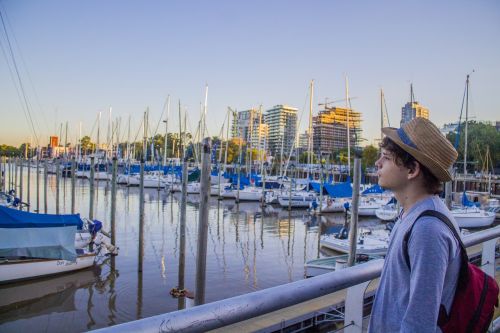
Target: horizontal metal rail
[(236, 309)]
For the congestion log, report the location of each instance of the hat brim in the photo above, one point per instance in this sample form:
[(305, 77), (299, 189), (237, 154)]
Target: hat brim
[(433, 166)]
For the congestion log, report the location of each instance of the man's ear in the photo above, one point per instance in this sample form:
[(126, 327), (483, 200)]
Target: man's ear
[(414, 170)]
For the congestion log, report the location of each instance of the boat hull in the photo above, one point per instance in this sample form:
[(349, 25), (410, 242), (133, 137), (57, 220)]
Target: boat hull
[(15, 270)]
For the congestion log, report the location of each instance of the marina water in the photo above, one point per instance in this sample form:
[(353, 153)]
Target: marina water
[(249, 248)]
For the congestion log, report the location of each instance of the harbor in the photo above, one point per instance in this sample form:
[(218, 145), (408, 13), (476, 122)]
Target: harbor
[(194, 166), (250, 247)]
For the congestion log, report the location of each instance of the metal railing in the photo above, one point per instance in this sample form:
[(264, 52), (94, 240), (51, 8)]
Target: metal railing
[(236, 309)]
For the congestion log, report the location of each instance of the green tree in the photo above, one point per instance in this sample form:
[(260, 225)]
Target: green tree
[(369, 156), (304, 158), (6, 150), (87, 146), (480, 136)]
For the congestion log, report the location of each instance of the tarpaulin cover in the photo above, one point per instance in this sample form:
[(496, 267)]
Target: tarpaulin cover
[(31, 235), (340, 190)]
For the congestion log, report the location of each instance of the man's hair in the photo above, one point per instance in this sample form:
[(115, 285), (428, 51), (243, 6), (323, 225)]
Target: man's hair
[(403, 158)]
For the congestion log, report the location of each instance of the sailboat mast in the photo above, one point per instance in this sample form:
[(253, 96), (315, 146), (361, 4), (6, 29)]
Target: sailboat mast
[(348, 126), (229, 111), (309, 130), (166, 132), (466, 125), (144, 136), (381, 114), (98, 131)]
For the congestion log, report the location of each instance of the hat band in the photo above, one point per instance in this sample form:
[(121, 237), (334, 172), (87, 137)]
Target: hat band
[(405, 138)]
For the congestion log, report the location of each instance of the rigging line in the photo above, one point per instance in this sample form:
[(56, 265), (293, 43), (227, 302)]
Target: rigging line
[(138, 130), (27, 73), (161, 116), (19, 78), (387, 114), (93, 127)]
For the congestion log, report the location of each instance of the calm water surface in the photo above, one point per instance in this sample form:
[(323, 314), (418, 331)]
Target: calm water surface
[(248, 249)]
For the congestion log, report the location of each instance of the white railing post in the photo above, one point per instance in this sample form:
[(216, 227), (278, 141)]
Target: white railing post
[(353, 316), (488, 257)]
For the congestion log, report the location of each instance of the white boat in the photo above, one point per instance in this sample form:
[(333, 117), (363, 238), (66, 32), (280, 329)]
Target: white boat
[(102, 175), (33, 245), (250, 193), (473, 217), (297, 199), (193, 188), (330, 205), (373, 242), (228, 193), (271, 196), (151, 180), (368, 206), (214, 189), (387, 212), (326, 265), (122, 179), (21, 269), (80, 174)]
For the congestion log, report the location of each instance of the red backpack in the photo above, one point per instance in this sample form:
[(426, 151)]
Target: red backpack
[(476, 295)]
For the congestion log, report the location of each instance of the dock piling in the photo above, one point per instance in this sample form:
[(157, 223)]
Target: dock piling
[(353, 228), (201, 257)]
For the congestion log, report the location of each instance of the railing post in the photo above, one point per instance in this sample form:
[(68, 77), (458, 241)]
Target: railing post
[(488, 257), (353, 315)]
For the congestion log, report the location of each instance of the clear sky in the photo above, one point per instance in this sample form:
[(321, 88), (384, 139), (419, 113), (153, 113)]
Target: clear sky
[(76, 58)]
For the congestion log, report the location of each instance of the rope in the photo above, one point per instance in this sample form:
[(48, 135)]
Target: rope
[(27, 112)]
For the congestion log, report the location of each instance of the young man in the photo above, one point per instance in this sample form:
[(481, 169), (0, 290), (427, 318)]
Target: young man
[(414, 162)]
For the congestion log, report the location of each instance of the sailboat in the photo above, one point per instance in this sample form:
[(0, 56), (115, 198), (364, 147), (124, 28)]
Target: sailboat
[(34, 245), (469, 215)]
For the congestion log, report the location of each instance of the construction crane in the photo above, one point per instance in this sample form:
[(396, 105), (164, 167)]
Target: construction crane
[(335, 101)]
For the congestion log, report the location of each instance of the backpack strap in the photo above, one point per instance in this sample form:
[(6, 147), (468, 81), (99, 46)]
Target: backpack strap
[(440, 216)]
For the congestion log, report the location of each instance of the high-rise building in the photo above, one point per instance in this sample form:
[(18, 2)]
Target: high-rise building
[(304, 140), (412, 110), (330, 130), (249, 125), (282, 122)]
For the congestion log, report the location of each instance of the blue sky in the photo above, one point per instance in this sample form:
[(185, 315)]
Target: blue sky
[(76, 58)]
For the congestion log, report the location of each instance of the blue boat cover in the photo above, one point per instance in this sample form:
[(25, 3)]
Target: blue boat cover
[(341, 190), (13, 218), (31, 235), (467, 203)]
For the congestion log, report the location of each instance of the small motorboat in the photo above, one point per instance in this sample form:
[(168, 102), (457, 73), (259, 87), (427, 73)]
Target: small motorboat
[(329, 264)]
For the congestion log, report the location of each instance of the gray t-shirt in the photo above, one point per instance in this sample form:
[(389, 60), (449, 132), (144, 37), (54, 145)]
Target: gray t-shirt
[(409, 301)]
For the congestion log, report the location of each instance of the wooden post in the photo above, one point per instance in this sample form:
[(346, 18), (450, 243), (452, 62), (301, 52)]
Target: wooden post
[(16, 164), (201, 258), (321, 191), (92, 189), (182, 232), (45, 178), (113, 200), (353, 228), (58, 165), (28, 189), (21, 167), (141, 217), (38, 184), (73, 184)]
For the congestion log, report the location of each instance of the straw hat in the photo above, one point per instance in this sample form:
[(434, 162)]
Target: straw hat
[(423, 140)]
